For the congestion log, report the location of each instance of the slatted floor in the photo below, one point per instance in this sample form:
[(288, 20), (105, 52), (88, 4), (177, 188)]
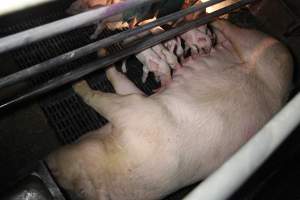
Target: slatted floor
[(66, 113)]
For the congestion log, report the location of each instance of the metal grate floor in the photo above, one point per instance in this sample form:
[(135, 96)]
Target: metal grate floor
[(66, 113)]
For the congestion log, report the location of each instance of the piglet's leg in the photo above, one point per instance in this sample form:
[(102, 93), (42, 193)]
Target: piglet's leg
[(145, 73), (175, 48), (121, 83), (98, 31), (124, 67)]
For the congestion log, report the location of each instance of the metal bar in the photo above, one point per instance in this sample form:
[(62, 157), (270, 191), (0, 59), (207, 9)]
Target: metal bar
[(10, 6), (109, 60), (229, 177), (77, 53), (38, 33), (44, 174)]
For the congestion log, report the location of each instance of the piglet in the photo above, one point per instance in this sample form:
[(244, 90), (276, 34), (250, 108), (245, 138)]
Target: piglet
[(153, 146), (161, 58)]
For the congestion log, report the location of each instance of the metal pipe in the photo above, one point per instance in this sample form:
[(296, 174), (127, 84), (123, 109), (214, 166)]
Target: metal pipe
[(10, 6), (233, 173), (38, 33), (77, 53), (109, 60)]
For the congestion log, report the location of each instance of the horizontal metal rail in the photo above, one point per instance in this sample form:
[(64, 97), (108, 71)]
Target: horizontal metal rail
[(111, 59), (233, 173), (77, 53), (67, 24)]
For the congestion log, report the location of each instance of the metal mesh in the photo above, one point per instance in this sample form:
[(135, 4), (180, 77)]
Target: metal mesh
[(65, 111)]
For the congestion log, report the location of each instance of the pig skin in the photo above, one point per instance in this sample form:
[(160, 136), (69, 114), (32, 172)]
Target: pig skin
[(155, 145)]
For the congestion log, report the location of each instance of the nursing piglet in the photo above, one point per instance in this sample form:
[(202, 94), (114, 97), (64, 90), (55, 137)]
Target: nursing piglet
[(153, 146)]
